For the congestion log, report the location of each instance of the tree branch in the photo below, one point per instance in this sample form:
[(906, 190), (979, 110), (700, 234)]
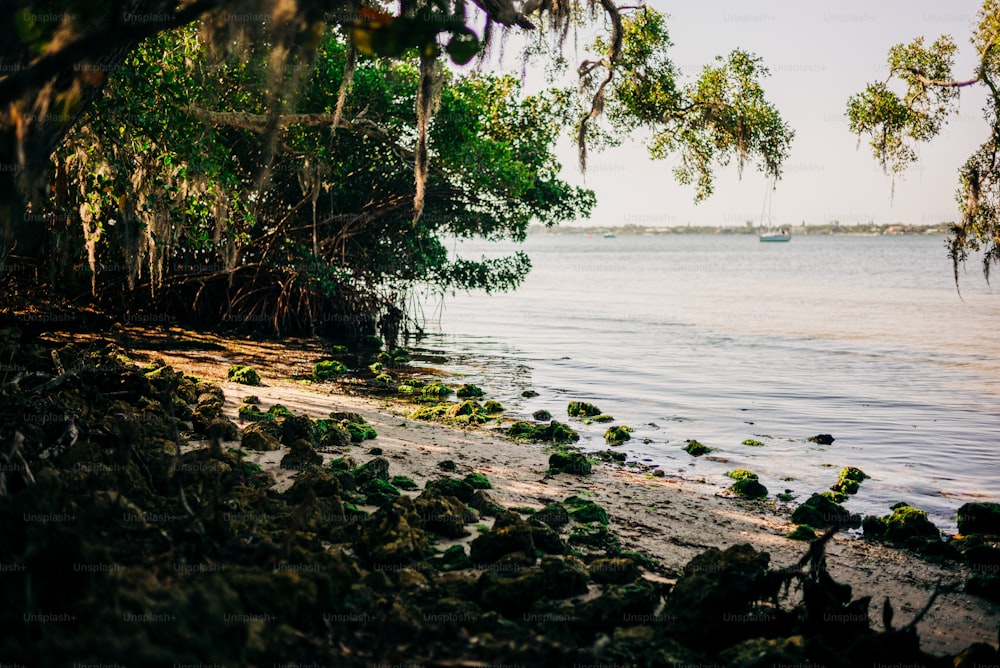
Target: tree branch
[(938, 83)]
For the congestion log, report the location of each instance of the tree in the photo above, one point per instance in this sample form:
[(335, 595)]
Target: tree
[(163, 173), (926, 94)]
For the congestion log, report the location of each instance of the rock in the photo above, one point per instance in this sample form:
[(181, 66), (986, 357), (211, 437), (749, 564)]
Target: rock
[(509, 534), (511, 595), (442, 514), (244, 375), (296, 428), (696, 449), (377, 468), (321, 484), (582, 409), (564, 577), (554, 514), (758, 652), (345, 463), (554, 431), (585, 511), (328, 369), (435, 391), (593, 536), (569, 462), (820, 512), (611, 456), (618, 435), (222, 428), (340, 416), (392, 535), (448, 465), (529, 394), (492, 407), (379, 492), (478, 481), (802, 532), (749, 488), (334, 438), (302, 457), (257, 437), (979, 517), (204, 413), (404, 482), (546, 539), (453, 559), (613, 570), (984, 586), (905, 527), (460, 489), (485, 504), (822, 439), (468, 391), (542, 415)]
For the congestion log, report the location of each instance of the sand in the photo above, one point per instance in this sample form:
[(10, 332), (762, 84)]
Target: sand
[(669, 519)]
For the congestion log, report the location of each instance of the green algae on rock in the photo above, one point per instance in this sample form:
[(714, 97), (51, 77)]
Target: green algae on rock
[(554, 431), (582, 409), (542, 415), (244, 375), (906, 527), (603, 417), (979, 518), (618, 435), (802, 532), (469, 391), (748, 488), (742, 474), (585, 511), (754, 443), (478, 481), (696, 449), (565, 461), (821, 512), (848, 482), (328, 369), (493, 407), (435, 391)]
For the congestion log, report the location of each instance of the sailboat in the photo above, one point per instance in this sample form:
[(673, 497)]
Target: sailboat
[(770, 234)]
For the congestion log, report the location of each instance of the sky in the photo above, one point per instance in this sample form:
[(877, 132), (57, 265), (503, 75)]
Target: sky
[(819, 54)]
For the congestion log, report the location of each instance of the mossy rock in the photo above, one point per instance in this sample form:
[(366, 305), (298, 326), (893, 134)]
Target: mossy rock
[(485, 504), (448, 465), (443, 514), (251, 413), (359, 432), (802, 532), (392, 535), (569, 462), (748, 488), (822, 439), (542, 415), (250, 399), (302, 457), (821, 512), (259, 437), (594, 536), (614, 570), (603, 417), (696, 449), (529, 394), (379, 492), (404, 482), (546, 538), (618, 435), (435, 391), (843, 487), (585, 511), (454, 558), (742, 474), (435, 412), (493, 407), (297, 427), (277, 410), (554, 431), (335, 437), (753, 443), (328, 369), (478, 481), (376, 468), (469, 391), (509, 534), (244, 375), (906, 526), (985, 586), (405, 388), (554, 514), (460, 489), (582, 409), (611, 456), (979, 518)]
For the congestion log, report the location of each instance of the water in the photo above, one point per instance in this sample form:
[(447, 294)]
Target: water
[(723, 338)]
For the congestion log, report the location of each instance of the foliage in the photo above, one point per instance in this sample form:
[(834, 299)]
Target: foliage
[(707, 122), (913, 105)]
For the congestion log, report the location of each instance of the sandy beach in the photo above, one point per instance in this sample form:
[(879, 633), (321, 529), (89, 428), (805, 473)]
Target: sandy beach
[(667, 518)]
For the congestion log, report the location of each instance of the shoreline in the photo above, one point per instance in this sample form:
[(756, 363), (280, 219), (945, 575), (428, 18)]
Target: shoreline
[(668, 518)]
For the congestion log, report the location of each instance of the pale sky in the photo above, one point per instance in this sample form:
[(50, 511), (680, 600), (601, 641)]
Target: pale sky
[(819, 54)]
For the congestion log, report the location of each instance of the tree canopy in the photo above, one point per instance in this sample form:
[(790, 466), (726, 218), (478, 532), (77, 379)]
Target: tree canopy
[(914, 104), (289, 163)]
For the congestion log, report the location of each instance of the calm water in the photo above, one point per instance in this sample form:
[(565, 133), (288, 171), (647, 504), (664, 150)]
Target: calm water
[(725, 338)]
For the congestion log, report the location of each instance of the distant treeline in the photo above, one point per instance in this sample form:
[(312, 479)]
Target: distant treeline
[(868, 229)]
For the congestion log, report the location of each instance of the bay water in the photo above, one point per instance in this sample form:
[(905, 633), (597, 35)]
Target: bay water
[(721, 338)]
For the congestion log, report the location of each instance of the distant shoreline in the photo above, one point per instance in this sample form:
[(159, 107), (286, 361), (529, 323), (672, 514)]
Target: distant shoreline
[(830, 229)]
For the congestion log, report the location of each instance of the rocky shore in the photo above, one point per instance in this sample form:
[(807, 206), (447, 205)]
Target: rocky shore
[(157, 513)]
